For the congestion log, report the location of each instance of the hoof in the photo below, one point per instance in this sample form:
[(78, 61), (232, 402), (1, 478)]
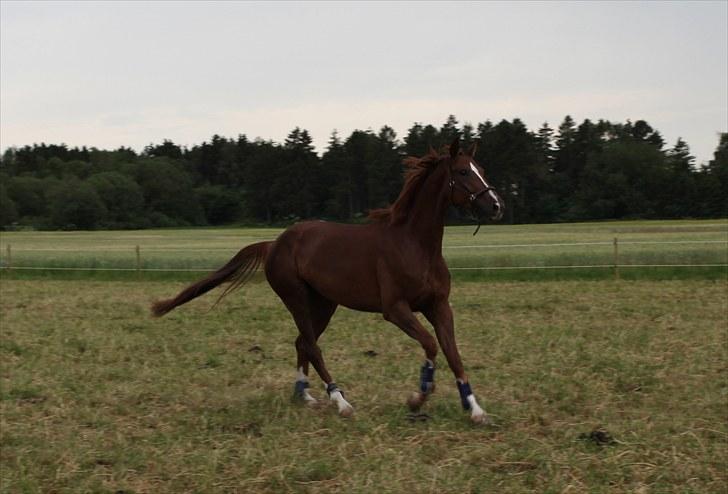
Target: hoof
[(481, 419), (415, 401), (311, 402), (305, 399), (335, 395)]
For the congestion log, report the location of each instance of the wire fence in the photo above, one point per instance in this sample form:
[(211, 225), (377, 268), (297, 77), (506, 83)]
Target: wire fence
[(616, 262)]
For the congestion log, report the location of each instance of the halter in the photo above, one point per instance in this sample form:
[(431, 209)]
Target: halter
[(472, 196)]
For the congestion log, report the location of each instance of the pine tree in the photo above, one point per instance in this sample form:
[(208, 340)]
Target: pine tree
[(468, 136), (449, 131), (679, 158), (384, 176), (335, 179), (714, 181), (544, 141)]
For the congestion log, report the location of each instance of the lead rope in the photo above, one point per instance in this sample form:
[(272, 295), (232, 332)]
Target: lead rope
[(476, 230)]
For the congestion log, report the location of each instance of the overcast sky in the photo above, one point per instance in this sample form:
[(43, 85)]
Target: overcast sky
[(109, 74)]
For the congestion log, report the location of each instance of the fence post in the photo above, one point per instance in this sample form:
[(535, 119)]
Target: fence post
[(138, 262), (8, 258), (616, 259)]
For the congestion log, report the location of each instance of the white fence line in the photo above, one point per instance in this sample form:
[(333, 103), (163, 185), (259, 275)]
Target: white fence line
[(62, 268), (453, 247), (615, 265), (589, 266), (480, 268), (575, 244)]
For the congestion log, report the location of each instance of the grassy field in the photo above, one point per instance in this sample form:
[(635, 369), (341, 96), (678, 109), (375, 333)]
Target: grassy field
[(95, 396), (496, 246)]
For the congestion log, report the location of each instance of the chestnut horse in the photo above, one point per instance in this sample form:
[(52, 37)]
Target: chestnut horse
[(392, 265)]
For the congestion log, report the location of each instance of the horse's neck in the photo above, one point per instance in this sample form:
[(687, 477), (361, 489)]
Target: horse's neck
[(426, 219)]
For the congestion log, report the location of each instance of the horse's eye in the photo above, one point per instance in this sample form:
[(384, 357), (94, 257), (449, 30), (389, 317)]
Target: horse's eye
[(463, 172)]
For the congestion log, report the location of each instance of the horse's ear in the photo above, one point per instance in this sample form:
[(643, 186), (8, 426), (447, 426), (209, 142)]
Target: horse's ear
[(455, 147), (473, 149)]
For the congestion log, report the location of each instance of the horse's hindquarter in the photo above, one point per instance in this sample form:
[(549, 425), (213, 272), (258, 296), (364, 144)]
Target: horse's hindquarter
[(338, 261)]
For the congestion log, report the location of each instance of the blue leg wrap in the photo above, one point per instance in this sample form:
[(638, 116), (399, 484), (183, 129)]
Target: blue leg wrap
[(298, 388), (465, 391), (427, 377)]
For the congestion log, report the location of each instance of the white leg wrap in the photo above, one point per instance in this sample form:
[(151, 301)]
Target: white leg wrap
[(343, 405), (301, 377), (335, 395), (308, 398), (476, 412)]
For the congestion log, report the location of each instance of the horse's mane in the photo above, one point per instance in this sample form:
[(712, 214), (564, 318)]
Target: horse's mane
[(416, 171)]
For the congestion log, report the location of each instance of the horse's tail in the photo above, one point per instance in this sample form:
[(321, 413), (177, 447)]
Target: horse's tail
[(237, 271)]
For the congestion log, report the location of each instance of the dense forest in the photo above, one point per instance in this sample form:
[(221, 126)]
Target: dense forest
[(587, 171)]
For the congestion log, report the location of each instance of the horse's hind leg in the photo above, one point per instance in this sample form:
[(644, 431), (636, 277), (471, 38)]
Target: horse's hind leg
[(320, 312), (311, 319), (311, 312)]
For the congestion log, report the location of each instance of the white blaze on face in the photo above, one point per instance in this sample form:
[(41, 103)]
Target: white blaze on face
[(492, 194)]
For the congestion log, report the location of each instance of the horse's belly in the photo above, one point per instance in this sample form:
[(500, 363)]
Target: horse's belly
[(349, 287)]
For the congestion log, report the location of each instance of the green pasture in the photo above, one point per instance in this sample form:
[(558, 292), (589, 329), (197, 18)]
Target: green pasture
[(595, 386), (501, 249)]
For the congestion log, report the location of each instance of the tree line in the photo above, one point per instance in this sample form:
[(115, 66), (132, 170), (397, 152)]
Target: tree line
[(587, 171)]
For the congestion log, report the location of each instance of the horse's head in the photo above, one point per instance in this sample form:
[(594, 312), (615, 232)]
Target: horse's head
[(468, 185)]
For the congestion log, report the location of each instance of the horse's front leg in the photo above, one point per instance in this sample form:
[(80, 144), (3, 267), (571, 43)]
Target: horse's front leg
[(441, 318), (400, 314)]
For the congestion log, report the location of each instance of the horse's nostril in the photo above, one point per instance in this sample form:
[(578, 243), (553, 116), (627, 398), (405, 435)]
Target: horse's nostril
[(496, 206)]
